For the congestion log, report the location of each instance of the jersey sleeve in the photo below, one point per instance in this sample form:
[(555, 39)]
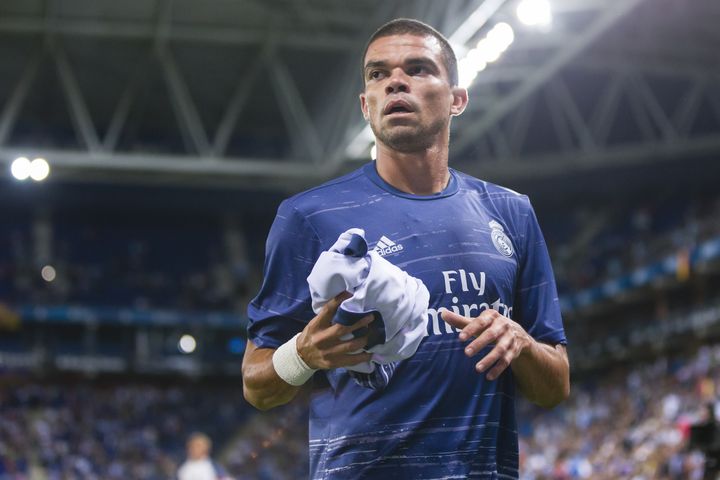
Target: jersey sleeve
[(282, 308), (537, 306)]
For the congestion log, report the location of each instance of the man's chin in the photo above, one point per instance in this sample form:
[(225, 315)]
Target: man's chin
[(408, 143), (404, 137)]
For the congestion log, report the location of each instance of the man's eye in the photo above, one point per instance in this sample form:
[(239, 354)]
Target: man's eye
[(416, 70), (375, 74)]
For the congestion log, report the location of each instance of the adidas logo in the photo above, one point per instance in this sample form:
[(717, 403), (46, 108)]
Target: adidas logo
[(385, 246)]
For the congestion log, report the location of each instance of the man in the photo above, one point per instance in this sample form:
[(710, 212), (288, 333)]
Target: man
[(199, 465), (448, 411)]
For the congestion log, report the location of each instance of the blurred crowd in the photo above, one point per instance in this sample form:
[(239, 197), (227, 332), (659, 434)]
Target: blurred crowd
[(201, 266), (626, 425), (630, 423), (82, 432), (271, 445), (591, 246)]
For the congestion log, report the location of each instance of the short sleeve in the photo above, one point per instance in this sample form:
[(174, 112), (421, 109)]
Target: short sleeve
[(282, 308), (537, 306)]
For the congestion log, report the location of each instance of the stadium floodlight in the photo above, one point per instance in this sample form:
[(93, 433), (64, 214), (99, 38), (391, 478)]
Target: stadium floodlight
[(20, 168), (39, 169), (466, 74), (475, 59), (487, 50), (501, 36), (48, 273), (469, 67), (534, 13), (187, 344)]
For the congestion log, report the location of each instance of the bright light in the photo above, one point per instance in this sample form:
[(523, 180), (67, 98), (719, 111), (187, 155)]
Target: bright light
[(39, 169), (187, 344), (20, 168), (373, 151), (501, 36), (534, 12), (466, 73), (488, 51), (48, 273), (475, 60)]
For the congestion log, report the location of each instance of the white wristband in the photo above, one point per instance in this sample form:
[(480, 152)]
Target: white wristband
[(288, 364)]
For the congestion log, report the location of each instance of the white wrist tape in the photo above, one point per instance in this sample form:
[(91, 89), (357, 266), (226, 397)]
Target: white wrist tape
[(288, 364)]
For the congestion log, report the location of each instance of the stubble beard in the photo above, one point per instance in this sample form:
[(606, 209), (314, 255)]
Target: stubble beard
[(408, 138)]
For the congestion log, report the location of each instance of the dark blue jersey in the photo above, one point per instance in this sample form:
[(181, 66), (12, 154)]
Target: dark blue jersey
[(475, 246)]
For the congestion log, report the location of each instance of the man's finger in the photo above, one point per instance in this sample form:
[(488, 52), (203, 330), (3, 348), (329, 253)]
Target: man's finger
[(328, 311), (501, 348), (457, 321), (338, 330), (470, 327), (350, 359), (352, 345), (484, 338), (363, 322)]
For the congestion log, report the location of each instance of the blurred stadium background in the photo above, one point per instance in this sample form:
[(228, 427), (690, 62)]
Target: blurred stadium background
[(173, 128)]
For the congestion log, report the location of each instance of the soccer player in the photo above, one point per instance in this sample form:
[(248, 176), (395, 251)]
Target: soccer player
[(493, 326)]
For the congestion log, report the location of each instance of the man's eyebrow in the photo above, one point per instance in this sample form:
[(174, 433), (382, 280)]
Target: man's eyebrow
[(408, 61), (374, 64), (420, 61)]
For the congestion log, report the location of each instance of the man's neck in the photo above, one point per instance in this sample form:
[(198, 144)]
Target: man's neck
[(419, 173)]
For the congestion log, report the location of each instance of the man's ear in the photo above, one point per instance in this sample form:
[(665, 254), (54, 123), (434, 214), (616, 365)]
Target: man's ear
[(364, 107), (460, 101)]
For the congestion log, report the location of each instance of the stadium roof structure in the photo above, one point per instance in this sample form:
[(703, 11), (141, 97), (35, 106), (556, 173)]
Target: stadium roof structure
[(264, 93)]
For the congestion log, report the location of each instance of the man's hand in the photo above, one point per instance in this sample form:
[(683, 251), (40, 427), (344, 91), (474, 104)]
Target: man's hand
[(320, 344), (542, 371), (510, 339)]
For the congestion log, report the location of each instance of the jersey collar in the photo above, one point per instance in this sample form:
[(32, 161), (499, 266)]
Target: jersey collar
[(370, 170)]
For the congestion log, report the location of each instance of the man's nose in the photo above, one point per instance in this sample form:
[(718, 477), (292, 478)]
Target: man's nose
[(398, 83)]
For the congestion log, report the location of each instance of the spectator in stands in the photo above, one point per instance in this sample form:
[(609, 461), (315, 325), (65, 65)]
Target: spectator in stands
[(199, 465)]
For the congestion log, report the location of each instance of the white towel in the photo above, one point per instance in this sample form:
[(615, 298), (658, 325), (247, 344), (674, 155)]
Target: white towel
[(398, 300)]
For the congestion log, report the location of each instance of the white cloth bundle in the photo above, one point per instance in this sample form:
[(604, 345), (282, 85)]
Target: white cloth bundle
[(398, 300)]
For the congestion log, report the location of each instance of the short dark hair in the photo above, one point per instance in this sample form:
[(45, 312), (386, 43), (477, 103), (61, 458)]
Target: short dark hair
[(409, 26)]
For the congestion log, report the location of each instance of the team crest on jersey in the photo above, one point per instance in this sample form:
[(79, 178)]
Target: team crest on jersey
[(500, 240)]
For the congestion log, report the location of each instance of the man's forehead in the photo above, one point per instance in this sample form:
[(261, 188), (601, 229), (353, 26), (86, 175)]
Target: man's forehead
[(426, 45)]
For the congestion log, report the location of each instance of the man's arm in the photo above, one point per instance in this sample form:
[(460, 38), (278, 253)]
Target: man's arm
[(262, 387), (319, 346), (542, 371)]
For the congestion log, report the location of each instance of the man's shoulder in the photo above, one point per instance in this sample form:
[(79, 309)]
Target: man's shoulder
[(468, 181), (337, 189), (492, 191)]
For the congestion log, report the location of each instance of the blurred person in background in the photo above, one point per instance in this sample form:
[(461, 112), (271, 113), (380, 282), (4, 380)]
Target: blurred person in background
[(705, 436), (199, 465)]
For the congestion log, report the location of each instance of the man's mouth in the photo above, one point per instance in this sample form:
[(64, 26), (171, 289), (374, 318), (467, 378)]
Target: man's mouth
[(397, 107)]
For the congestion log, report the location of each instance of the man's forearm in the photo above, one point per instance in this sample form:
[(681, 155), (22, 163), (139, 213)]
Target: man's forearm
[(262, 387), (319, 346), (543, 373)]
